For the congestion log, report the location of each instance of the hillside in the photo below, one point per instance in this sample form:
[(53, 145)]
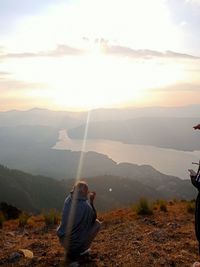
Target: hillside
[(35, 193), (175, 133), (42, 117), (67, 119), (27, 137), (126, 239)]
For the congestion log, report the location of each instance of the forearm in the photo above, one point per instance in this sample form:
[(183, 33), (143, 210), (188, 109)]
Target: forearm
[(94, 210), (195, 181)]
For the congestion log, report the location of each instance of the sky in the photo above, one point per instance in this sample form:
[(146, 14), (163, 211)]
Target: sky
[(85, 54)]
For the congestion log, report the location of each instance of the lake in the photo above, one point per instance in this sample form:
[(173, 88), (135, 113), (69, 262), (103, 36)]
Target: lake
[(168, 161)]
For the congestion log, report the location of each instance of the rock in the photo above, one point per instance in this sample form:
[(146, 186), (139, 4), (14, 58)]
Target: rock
[(11, 234), (158, 236), (15, 256), (149, 221), (101, 257), (27, 253), (173, 225), (25, 233), (155, 254)]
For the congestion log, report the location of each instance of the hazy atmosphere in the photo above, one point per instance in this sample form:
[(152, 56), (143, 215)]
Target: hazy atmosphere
[(99, 133), (81, 54)]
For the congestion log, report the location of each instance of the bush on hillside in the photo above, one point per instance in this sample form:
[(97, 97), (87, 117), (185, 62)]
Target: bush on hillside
[(9, 211), (23, 219), (160, 204), (143, 207), (52, 217), (2, 219), (191, 207), (163, 205)]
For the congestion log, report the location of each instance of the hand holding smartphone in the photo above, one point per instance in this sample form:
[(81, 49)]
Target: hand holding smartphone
[(192, 172), (92, 196)]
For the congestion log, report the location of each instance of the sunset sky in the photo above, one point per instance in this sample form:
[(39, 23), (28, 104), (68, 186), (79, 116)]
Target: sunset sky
[(82, 54)]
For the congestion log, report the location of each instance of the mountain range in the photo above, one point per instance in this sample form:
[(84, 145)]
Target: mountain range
[(166, 132), (27, 137), (36, 193)]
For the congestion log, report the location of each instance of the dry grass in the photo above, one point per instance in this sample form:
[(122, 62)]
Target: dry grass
[(126, 239), (143, 207)]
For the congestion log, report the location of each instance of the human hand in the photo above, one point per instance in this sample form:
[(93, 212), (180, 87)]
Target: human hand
[(192, 172), (197, 127), (92, 196)]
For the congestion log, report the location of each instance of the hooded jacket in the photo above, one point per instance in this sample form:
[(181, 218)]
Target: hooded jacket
[(78, 218)]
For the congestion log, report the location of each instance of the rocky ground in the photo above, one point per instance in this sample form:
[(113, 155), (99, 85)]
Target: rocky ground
[(126, 239)]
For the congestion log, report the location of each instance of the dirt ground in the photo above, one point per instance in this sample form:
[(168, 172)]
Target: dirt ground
[(126, 239)]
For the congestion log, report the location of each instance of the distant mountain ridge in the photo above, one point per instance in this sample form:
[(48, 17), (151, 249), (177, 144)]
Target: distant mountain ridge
[(166, 132), (27, 138), (67, 119), (35, 193)]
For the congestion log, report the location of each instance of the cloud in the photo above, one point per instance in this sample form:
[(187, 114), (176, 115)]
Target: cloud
[(140, 53), (181, 87), (61, 50), (103, 45), (3, 74), (9, 85)]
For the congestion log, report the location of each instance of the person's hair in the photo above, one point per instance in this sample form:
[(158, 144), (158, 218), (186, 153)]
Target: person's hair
[(80, 187)]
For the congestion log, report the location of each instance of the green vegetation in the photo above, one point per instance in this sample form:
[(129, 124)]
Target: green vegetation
[(163, 205), (143, 207), (52, 217), (160, 204), (31, 193)]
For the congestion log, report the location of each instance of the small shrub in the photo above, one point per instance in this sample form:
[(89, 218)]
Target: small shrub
[(9, 211), (51, 218), (155, 207), (23, 219), (163, 205), (183, 200), (2, 219), (190, 207), (143, 207), (31, 222)]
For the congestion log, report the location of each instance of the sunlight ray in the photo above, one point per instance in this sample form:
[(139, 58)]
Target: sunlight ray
[(78, 176)]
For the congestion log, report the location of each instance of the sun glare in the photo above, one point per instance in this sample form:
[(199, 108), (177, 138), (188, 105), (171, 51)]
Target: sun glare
[(95, 79)]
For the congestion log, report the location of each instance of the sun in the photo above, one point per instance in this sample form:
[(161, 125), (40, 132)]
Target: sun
[(95, 80)]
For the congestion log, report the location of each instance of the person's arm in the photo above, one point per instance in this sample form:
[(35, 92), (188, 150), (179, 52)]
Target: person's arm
[(195, 178), (197, 127), (92, 197), (61, 230)]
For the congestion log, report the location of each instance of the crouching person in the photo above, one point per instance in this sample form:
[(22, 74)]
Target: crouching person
[(79, 224)]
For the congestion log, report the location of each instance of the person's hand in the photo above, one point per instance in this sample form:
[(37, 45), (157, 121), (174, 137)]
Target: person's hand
[(197, 127), (92, 196), (192, 172)]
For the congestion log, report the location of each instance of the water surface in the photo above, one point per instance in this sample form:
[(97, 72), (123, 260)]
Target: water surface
[(168, 161)]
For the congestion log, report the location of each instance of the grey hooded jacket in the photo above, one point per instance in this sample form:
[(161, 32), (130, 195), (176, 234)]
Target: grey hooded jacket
[(84, 217)]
